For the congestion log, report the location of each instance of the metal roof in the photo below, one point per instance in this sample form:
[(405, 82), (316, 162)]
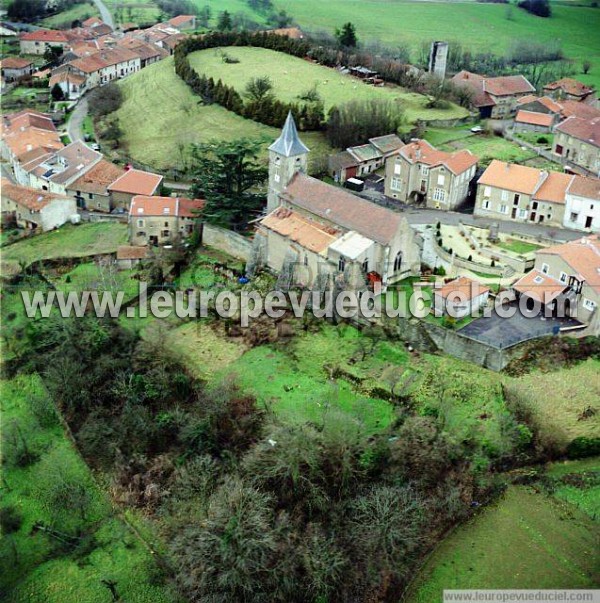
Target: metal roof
[(289, 144)]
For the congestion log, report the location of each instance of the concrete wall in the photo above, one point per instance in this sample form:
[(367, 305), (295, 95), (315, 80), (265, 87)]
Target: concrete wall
[(228, 241)]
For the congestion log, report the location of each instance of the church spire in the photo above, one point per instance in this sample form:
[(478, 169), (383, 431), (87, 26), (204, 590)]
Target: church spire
[(289, 144)]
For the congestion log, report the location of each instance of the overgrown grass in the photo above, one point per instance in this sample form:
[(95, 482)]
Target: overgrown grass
[(69, 241), (77, 12), (524, 540), (292, 77), (555, 401), (491, 147), (34, 566)]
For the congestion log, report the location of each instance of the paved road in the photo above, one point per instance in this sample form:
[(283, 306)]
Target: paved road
[(104, 13), (75, 124)]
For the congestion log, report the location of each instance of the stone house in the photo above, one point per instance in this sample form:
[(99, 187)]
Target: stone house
[(317, 233), (183, 22), (569, 89), (364, 159), (57, 172), (39, 40), (129, 256), (14, 68), (162, 220), (494, 97), (70, 82), (582, 204), (419, 173), (90, 190), (578, 141), (460, 297), (507, 191), (566, 277), (34, 209), (131, 183), (531, 121)]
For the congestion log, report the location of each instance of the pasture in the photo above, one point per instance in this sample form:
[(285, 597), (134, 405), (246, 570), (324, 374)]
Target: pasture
[(480, 27), (526, 539), (179, 120), (292, 77)]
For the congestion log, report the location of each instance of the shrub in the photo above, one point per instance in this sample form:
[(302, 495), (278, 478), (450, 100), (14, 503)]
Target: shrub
[(10, 520), (540, 8), (582, 447), (542, 140)]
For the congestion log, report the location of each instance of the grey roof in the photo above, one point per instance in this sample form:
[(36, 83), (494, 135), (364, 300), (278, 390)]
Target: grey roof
[(289, 144)]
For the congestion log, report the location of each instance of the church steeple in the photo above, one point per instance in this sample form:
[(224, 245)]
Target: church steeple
[(287, 155)]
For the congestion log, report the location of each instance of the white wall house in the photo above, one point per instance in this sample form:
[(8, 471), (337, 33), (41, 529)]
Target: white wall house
[(582, 205)]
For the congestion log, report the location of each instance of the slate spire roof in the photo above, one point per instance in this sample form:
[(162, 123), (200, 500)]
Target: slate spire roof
[(289, 144)]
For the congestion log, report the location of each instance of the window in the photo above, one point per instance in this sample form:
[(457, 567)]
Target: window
[(398, 261), (574, 216), (439, 194), (424, 170), (588, 304), (504, 195), (523, 213), (441, 179), (341, 264), (165, 233), (397, 168), (140, 223), (305, 260), (486, 204), (538, 280), (516, 199), (396, 184), (166, 211), (504, 209), (166, 225), (545, 268), (563, 277), (487, 191), (534, 205), (365, 265)]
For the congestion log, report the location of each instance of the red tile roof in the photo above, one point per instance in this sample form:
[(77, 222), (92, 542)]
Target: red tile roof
[(165, 206), (97, 179), (136, 182), (535, 119), (306, 232), (463, 286), (507, 85), (181, 20), (15, 63), (131, 252), (45, 35), (582, 186), (31, 198), (587, 130), (420, 151), (540, 286), (570, 86), (510, 176)]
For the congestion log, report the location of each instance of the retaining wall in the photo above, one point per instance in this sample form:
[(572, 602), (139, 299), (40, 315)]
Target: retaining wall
[(228, 241)]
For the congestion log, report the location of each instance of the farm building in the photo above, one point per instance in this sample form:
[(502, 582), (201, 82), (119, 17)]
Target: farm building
[(14, 68)]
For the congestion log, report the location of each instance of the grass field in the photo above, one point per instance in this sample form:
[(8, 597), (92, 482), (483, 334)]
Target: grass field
[(556, 401), (292, 76), (78, 12), (37, 568), (524, 540), (179, 120), (67, 242), (478, 26), (518, 246), (490, 147), (140, 12)]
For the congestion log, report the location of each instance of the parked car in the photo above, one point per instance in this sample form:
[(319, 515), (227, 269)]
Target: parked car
[(477, 129)]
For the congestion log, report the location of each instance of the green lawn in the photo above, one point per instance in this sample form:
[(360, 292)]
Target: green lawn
[(33, 568), (524, 540), (440, 136), (292, 76), (517, 246), (491, 147), (179, 120), (69, 241), (481, 27), (140, 12)]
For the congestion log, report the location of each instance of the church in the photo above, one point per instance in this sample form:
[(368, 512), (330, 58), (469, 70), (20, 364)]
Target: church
[(316, 234)]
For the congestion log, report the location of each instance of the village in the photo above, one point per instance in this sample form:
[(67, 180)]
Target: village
[(475, 193)]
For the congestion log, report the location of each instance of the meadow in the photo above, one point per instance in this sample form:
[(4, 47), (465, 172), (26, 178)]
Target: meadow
[(179, 120), (37, 566), (481, 27), (140, 12), (77, 12), (526, 539), (293, 76)]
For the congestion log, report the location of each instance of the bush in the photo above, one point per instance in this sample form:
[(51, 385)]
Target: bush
[(540, 8), (10, 520), (105, 100), (542, 140), (583, 447)]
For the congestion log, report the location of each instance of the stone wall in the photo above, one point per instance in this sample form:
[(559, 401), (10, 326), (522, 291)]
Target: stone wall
[(227, 241)]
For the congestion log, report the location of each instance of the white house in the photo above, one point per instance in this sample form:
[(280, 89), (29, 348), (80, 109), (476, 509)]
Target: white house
[(582, 204)]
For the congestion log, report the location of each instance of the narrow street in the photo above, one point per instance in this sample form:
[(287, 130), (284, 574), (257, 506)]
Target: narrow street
[(75, 124)]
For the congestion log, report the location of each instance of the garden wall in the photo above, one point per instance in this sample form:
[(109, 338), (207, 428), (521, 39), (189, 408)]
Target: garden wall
[(227, 241)]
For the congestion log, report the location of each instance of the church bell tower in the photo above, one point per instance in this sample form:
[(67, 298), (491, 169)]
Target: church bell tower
[(287, 155)]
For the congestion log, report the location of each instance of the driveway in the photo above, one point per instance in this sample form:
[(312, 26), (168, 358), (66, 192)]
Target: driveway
[(500, 332)]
